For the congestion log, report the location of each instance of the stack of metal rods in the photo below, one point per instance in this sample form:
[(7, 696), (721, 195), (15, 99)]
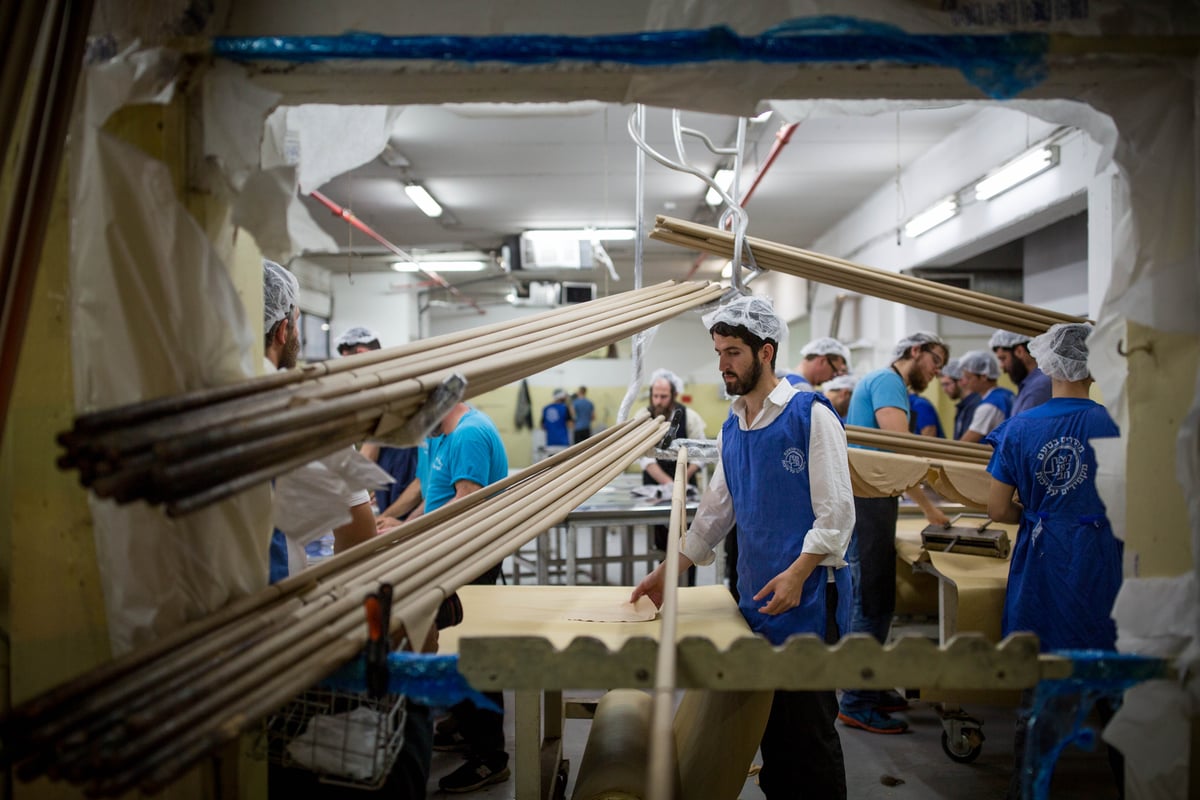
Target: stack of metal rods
[(924, 446), (192, 450), (144, 720), (977, 307)]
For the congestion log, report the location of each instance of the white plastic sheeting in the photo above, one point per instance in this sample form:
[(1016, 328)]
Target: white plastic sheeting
[(153, 313)]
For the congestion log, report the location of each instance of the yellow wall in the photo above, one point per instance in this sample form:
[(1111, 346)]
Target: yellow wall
[(501, 406)]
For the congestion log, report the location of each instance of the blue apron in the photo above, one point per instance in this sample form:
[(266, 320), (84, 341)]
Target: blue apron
[(1066, 564), (1002, 399), (767, 474)]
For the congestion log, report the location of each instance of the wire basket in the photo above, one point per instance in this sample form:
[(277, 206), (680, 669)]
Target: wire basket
[(346, 738)]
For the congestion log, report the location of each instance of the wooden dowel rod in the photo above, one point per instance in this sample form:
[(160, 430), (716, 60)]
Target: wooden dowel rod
[(216, 399), (134, 413), (789, 251), (328, 631), (661, 769), (934, 297), (171, 650)]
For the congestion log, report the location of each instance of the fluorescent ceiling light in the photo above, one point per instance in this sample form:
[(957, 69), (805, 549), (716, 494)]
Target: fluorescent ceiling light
[(724, 179), (584, 234), (423, 199), (439, 266), (931, 217), (1017, 171)]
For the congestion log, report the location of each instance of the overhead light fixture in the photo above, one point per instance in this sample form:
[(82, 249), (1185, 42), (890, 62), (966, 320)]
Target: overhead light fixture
[(727, 270), (423, 199), (931, 217), (439, 266), (724, 179), (1017, 171), (583, 234)]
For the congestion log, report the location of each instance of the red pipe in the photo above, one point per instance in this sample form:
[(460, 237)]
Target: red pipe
[(348, 215), (782, 137)]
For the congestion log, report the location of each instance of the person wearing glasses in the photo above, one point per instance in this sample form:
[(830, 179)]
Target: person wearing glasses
[(824, 358), (880, 401)]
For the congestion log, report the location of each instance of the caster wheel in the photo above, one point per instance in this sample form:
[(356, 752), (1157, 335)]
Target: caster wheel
[(963, 749)]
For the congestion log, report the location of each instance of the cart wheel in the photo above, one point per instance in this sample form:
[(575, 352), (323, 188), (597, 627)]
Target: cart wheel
[(963, 749)]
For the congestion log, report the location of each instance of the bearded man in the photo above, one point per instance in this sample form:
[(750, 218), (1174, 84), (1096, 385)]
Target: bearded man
[(881, 401)]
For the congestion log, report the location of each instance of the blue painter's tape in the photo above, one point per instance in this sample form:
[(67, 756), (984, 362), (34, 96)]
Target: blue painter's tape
[(1000, 65)]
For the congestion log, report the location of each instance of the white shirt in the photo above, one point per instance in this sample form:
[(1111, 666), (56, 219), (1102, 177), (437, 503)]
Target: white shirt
[(987, 417), (828, 477)]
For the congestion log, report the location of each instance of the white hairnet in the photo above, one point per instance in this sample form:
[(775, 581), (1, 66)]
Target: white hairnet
[(669, 377), (1008, 340), (356, 336), (826, 346), (952, 369), (1062, 351), (840, 382), (559, 394), (981, 362), (754, 313), (918, 339), (280, 289)]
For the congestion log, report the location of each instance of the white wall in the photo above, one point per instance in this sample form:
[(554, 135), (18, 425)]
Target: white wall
[(867, 235), (373, 300)]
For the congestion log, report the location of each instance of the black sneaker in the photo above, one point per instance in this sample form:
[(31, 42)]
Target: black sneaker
[(472, 775), (449, 742)]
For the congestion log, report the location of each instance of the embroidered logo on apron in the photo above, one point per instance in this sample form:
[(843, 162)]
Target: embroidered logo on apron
[(1061, 467), (793, 460)]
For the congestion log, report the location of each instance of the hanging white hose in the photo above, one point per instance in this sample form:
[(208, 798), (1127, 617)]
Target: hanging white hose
[(637, 129)]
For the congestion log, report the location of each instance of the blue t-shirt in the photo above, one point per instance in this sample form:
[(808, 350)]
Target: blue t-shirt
[(925, 415), (584, 410), (473, 451), (883, 388), (554, 421)]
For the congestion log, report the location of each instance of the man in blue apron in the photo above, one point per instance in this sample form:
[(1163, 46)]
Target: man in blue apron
[(980, 371), (1066, 563), (784, 478), (880, 401)]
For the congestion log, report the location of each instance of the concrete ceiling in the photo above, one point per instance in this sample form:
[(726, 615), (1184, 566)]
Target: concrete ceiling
[(499, 170)]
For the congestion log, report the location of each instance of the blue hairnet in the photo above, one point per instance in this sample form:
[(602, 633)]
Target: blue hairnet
[(918, 339), (669, 377), (1008, 340), (280, 289), (1062, 351), (981, 362), (754, 313), (356, 336)]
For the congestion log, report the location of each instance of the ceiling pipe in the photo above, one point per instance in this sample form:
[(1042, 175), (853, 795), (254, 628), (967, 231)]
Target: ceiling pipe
[(348, 215), (782, 137)]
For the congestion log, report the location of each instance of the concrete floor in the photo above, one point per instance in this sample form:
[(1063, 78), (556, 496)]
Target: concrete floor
[(898, 767), (875, 763)]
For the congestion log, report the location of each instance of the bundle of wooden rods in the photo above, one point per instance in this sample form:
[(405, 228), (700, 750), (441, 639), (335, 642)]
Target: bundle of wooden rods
[(143, 720), (977, 307), (924, 446), (192, 450)]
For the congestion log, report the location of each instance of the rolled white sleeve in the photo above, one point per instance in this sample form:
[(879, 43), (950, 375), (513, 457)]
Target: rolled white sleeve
[(986, 419), (829, 485)]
